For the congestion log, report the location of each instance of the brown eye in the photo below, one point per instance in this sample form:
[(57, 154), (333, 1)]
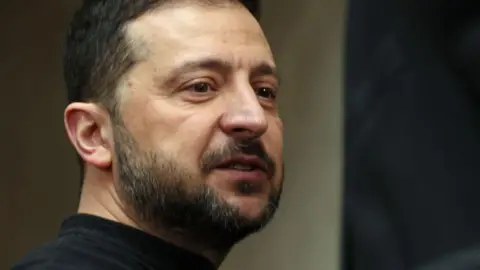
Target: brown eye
[(266, 92), (201, 87)]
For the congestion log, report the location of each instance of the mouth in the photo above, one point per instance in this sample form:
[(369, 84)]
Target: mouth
[(244, 163), (248, 173)]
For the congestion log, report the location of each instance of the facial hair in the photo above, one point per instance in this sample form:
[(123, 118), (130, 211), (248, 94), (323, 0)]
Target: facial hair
[(159, 190)]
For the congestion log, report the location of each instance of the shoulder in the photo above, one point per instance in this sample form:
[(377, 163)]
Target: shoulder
[(67, 253)]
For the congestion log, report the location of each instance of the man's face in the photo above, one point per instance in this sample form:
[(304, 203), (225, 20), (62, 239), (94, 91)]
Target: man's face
[(198, 138)]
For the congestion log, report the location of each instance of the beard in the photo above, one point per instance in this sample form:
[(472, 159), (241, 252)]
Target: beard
[(166, 196)]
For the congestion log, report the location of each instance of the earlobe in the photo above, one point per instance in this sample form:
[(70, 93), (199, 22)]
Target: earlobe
[(87, 127)]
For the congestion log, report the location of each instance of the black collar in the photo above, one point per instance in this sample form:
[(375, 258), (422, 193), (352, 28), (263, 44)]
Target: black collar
[(151, 248)]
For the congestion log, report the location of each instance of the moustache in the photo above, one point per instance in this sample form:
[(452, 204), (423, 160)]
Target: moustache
[(213, 158)]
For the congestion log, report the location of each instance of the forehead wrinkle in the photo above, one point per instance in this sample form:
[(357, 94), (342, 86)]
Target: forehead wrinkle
[(146, 42), (169, 26), (161, 31)]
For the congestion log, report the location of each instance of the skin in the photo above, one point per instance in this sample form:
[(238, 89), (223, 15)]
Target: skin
[(207, 76)]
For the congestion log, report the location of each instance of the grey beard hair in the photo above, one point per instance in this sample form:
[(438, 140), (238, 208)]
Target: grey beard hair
[(161, 193)]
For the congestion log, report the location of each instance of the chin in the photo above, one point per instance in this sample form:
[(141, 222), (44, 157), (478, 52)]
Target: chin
[(250, 206)]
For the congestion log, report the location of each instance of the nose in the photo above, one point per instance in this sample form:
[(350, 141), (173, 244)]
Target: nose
[(244, 117)]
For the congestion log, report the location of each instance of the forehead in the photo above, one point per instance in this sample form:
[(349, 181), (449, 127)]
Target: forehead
[(190, 32)]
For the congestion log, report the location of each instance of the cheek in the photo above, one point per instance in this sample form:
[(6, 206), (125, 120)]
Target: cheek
[(274, 139), (182, 134), (160, 124)]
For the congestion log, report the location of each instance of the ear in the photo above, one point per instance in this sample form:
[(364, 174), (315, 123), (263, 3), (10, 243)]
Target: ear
[(88, 128)]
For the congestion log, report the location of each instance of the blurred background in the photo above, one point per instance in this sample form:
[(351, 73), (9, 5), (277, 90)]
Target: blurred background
[(412, 135), (40, 183)]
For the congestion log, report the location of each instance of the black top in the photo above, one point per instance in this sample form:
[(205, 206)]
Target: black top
[(88, 242)]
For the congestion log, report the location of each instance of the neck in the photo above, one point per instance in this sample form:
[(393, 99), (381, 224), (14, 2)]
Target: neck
[(104, 202)]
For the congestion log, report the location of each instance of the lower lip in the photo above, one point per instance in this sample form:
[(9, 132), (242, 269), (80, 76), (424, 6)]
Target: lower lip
[(237, 175)]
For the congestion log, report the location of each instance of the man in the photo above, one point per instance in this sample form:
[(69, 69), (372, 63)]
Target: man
[(173, 113)]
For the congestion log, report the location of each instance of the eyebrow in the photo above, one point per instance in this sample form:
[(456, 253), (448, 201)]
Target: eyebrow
[(221, 66), (264, 69)]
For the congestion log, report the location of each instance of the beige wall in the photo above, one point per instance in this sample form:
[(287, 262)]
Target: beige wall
[(40, 184), (41, 174)]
